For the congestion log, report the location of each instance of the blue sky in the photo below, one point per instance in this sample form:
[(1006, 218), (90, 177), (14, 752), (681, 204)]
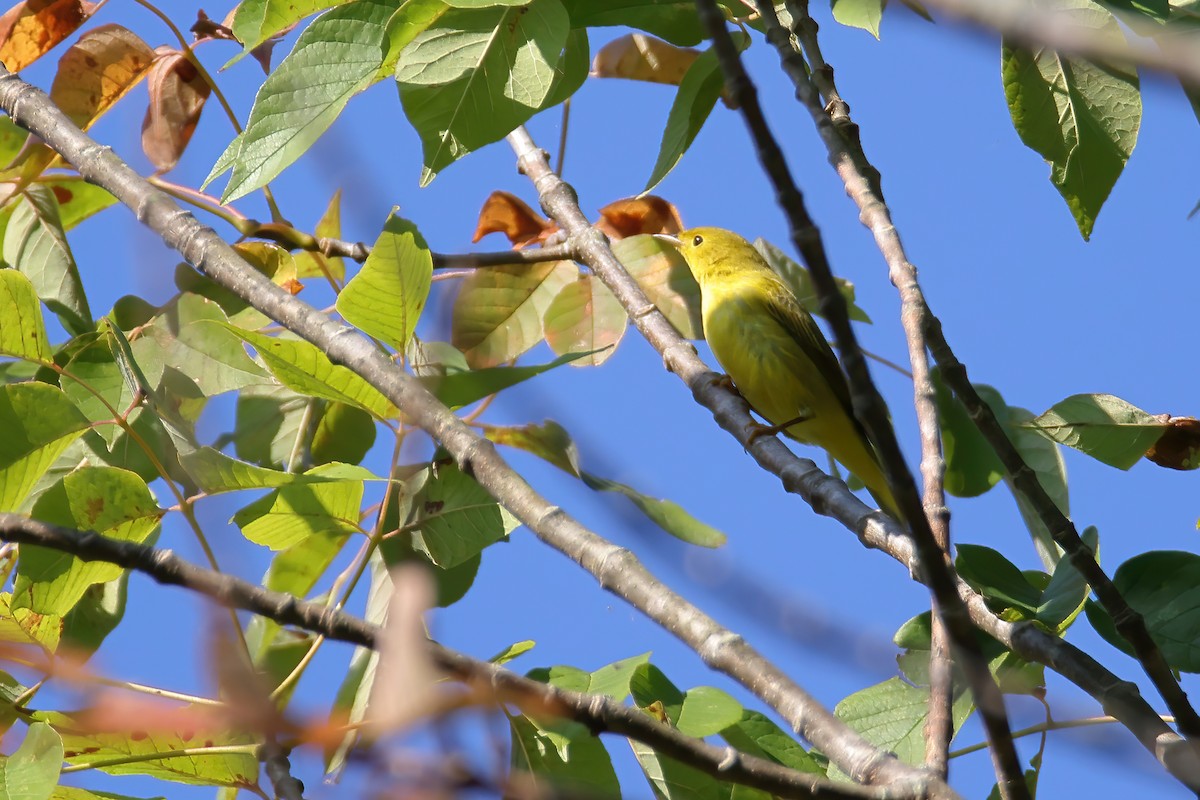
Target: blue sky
[(1030, 308)]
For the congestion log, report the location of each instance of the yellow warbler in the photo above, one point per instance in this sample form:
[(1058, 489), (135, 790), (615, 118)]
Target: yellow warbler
[(775, 354)]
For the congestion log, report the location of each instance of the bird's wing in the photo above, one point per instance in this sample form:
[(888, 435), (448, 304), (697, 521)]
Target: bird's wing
[(799, 323)]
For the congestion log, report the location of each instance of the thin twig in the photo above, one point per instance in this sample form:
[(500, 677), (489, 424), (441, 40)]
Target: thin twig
[(867, 402), (599, 713), (862, 181)]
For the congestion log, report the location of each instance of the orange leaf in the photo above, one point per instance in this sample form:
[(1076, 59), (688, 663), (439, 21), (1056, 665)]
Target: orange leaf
[(177, 95), (98, 71), (639, 57), (30, 29), (508, 214), (1179, 446), (634, 215)]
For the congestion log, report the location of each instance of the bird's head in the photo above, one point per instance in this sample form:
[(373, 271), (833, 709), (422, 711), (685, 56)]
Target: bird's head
[(712, 250)]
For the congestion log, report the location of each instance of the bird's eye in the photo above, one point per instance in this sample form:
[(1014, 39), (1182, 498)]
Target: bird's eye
[(699, 240)]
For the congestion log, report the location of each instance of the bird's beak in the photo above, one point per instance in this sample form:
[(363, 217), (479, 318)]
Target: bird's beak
[(669, 239)]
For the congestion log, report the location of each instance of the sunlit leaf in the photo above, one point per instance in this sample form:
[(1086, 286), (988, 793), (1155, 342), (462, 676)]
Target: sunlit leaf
[(386, 297), (39, 423), (1105, 427), (585, 316)]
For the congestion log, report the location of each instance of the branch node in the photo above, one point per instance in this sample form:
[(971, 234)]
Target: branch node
[(729, 760), (677, 355), (710, 649)]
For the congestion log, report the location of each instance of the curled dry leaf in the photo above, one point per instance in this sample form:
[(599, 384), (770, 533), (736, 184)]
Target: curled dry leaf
[(177, 95), (1179, 446), (205, 27), (639, 57), (634, 215), (98, 71), (506, 213), (32, 28)]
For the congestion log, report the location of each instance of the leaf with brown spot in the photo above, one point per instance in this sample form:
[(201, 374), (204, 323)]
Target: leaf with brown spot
[(98, 71), (508, 214), (638, 57), (1179, 446), (634, 215), (177, 95), (585, 316), (30, 29)]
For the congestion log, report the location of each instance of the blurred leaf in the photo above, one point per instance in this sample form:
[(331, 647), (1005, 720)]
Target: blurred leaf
[(800, 282), (329, 226), (498, 311), (1080, 116), (1164, 587), (549, 441), (458, 389), (304, 368), (344, 434), (39, 423), (665, 278), (454, 518), (32, 28), (112, 502), (515, 650), (1103, 426), (386, 297), (95, 616), (865, 14), (669, 516), (638, 57), (501, 72), (697, 95), (32, 771), (36, 244), (22, 329), (585, 317)]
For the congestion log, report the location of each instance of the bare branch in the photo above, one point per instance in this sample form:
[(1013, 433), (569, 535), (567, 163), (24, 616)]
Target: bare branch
[(599, 713), (616, 569)]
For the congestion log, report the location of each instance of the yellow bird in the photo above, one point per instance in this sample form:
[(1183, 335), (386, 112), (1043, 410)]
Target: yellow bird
[(775, 354)]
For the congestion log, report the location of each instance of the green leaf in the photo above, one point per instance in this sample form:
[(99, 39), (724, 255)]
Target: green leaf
[(666, 514), (215, 472), (77, 199), (571, 70), (22, 329), (36, 244), (515, 650), (344, 434), (293, 513), (757, 735), (95, 616), (475, 74), (335, 58), (697, 95), (612, 680), (584, 769), (1045, 459), (800, 282), (386, 297), (32, 771), (891, 715), (996, 578), (1105, 427), (548, 441), (84, 746), (1156, 10), (329, 226), (1164, 587), (1065, 595), (304, 368), (673, 780), (498, 311), (109, 501), (673, 20), (39, 423), (585, 316), (865, 14), (458, 389), (665, 278), (268, 421), (972, 466), (255, 21), (12, 139), (1082, 117), (454, 518), (700, 712)]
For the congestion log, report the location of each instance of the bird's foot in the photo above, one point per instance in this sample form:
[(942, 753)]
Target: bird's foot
[(755, 431), (725, 382)]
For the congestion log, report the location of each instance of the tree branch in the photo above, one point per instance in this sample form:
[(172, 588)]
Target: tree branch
[(600, 714), (616, 569), (868, 404)]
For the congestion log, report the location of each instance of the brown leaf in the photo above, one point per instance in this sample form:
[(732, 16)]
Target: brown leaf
[(634, 215), (30, 29), (1179, 445), (207, 28), (177, 95), (98, 71), (508, 214), (639, 57)]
